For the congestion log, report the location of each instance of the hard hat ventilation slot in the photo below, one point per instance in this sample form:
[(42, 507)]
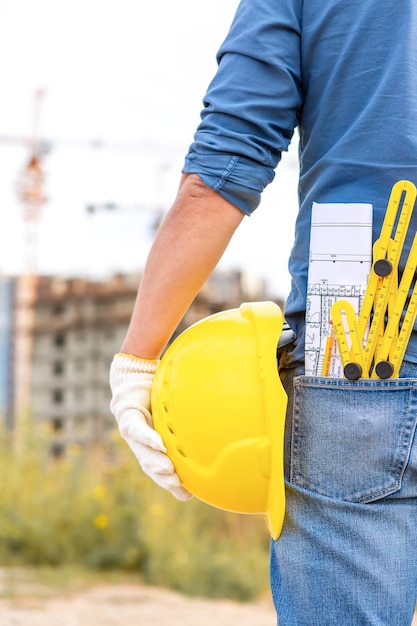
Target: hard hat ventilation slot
[(171, 429), (182, 452)]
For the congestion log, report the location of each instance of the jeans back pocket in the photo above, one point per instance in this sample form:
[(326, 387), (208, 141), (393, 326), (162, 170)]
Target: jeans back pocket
[(351, 440)]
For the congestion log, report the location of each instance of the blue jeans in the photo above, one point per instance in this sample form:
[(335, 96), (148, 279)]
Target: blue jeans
[(347, 555)]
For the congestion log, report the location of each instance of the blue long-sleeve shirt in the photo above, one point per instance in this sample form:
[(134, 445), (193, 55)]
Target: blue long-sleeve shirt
[(345, 73)]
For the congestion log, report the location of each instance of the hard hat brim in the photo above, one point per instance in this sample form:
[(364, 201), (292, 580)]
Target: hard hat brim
[(275, 400)]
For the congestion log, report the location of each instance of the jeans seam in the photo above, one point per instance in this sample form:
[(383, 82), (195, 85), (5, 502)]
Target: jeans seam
[(293, 435)]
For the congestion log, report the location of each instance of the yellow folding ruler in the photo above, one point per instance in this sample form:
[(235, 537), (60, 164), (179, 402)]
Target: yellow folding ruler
[(348, 339), (390, 352), (374, 343)]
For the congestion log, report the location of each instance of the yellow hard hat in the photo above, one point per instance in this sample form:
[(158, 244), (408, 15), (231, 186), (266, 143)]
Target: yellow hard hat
[(219, 406)]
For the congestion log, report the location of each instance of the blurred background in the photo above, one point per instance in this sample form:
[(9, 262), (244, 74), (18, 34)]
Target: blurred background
[(100, 101), (107, 96)]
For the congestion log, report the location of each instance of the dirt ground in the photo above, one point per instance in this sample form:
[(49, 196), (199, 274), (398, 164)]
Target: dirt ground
[(126, 605)]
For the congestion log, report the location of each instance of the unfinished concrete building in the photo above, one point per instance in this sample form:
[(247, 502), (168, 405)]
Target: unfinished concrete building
[(77, 326)]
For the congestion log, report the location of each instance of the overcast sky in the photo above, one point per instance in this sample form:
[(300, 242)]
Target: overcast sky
[(130, 76)]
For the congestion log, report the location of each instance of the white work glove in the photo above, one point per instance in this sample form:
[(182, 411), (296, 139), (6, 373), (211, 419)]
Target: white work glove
[(131, 381)]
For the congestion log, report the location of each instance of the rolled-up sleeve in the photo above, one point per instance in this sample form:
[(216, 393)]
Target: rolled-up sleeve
[(252, 105)]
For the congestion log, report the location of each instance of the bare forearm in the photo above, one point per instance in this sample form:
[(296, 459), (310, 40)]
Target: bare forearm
[(187, 248)]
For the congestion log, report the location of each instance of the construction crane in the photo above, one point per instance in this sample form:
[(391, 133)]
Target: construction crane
[(30, 183), (157, 211), (30, 189), (32, 197), (31, 180)]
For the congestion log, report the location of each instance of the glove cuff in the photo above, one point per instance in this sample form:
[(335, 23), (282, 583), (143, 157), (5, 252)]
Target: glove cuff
[(131, 363), (126, 368)]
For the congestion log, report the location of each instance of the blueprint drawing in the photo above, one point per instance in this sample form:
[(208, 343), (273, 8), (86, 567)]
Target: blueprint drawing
[(339, 266)]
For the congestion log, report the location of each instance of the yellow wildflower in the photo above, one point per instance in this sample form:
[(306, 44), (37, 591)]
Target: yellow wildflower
[(99, 492), (157, 510), (101, 521)]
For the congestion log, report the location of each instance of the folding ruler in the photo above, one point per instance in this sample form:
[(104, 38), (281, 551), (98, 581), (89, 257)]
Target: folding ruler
[(374, 343)]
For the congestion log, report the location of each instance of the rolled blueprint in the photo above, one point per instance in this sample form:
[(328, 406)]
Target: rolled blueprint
[(339, 265)]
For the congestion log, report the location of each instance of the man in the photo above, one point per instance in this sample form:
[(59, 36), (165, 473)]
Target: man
[(345, 74)]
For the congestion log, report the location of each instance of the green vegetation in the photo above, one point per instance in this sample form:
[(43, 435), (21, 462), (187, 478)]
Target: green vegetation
[(105, 515)]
